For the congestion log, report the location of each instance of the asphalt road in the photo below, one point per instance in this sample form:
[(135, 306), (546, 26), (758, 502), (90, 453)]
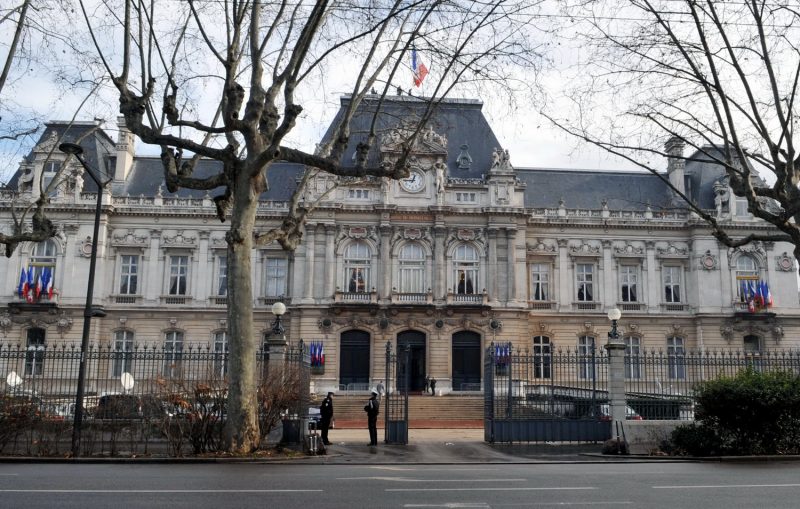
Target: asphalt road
[(289, 486)]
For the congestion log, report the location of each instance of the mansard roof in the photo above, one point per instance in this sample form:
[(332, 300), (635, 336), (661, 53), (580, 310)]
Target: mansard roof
[(461, 121), (587, 189)]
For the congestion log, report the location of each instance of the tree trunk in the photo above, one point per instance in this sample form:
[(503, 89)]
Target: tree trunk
[(241, 429)]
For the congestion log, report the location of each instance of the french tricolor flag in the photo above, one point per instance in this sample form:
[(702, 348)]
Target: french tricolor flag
[(418, 68)]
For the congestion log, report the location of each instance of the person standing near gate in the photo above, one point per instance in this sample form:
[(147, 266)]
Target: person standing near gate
[(381, 389), (433, 386), (372, 408), (427, 383), (325, 417)]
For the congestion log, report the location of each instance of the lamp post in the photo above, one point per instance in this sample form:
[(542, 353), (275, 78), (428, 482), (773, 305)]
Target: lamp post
[(278, 309), (88, 310), (616, 369)]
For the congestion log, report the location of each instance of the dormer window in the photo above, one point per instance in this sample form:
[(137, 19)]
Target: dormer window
[(52, 167)]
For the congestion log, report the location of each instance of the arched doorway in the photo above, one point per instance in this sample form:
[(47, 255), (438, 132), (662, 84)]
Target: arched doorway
[(416, 341), (354, 359), (466, 361)]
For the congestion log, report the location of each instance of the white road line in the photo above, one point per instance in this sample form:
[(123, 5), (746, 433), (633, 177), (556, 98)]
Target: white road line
[(495, 489), (408, 479), (453, 505), (717, 486), (159, 491)]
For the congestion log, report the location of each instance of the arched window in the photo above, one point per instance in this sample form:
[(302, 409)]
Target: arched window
[(747, 273), (123, 352), (412, 268), (633, 360), (42, 269), (357, 260), (542, 360), (465, 265)]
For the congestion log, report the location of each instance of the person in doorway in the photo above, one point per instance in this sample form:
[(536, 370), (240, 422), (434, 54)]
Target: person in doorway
[(372, 408), (381, 389), (325, 417), (433, 386), (427, 383)]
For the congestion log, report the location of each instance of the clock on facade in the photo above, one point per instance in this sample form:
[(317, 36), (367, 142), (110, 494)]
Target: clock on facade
[(414, 183)]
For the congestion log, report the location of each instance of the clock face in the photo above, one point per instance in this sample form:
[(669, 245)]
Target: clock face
[(414, 183)]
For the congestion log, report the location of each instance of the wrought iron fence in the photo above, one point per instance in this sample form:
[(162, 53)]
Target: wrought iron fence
[(146, 399)]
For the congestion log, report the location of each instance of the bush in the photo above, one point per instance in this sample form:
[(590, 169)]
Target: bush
[(751, 413)]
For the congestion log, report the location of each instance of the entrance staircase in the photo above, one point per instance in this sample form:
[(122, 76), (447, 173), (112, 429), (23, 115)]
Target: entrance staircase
[(457, 412)]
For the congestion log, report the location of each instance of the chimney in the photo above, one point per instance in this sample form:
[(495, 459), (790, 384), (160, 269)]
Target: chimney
[(675, 162), (125, 148)]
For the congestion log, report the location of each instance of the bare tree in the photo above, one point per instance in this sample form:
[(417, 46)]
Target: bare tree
[(252, 64), (720, 77)]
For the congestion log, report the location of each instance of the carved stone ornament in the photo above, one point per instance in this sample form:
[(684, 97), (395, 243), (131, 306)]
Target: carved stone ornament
[(48, 144), (218, 242), (708, 261), (64, 323), (85, 247), (629, 249), (412, 233), (128, 238), (5, 322), (755, 248), (540, 248), (784, 262), (673, 250), (465, 234), (179, 240), (464, 160), (584, 249), (427, 141), (358, 232), (768, 326)]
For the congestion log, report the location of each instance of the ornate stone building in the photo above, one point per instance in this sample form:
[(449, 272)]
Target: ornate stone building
[(467, 251)]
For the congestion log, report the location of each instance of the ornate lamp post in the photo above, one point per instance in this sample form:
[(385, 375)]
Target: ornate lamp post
[(278, 309), (88, 310)]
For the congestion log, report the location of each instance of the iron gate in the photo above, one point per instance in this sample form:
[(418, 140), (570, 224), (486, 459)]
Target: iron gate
[(545, 397), (398, 381)]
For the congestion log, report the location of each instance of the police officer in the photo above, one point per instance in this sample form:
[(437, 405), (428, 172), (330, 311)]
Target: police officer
[(325, 417), (372, 408)]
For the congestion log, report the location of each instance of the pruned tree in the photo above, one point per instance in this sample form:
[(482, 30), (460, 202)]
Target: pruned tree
[(719, 77), (227, 81)]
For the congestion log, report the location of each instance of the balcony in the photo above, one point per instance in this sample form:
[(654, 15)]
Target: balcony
[(674, 306), (467, 299), (586, 306), (630, 306), (218, 300), (356, 297), (541, 305), (268, 300), (411, 299), (176, 300), (125, 299)]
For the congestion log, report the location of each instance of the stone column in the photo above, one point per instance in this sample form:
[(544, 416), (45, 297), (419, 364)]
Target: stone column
[(653, 279), (439, 263), (310, 244), (609, 277), (330, 260), (511, 262), (565, 290), (67, 271), (726, 292), (202, 286), (616, 379), (385, 261), (491, 273), (153, 281)]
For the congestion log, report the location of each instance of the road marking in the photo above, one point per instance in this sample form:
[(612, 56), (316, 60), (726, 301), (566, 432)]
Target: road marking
[(495, 489), (160, 491), (454, 505), (408, 479), (715, 486)]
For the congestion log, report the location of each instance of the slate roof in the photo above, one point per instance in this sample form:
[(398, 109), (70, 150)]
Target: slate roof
[(460, 120), (702, 172), (586, 189)]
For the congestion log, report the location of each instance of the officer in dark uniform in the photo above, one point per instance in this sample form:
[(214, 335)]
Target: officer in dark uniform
[(372, 408), (325, 417)]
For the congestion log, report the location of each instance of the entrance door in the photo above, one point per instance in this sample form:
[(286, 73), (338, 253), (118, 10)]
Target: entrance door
[(466, 361), (354, 360), (416, 341)]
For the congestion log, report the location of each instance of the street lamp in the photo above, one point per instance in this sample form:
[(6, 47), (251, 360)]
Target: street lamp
[(88, 310), (278, 309), (614, 314)]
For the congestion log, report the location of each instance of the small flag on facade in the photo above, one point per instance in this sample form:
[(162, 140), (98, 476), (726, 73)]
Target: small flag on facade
[(22, 284), (418, 68)]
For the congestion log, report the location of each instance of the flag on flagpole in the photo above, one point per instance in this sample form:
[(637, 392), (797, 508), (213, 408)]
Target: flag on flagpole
[(49, 286), (769, 295), (29, 286), (418, 68), (21, 289), (321, 354), (751, 300), (37, 287)]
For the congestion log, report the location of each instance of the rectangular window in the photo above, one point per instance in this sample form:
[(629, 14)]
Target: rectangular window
[(173, 353), (586, 357), (633, 351), (672, 283), (178, 274), (412, 278), (741, 208), (540, 281), (542, 360), (676, 358), (34, 356), (129, 275), (466, 281), (584, 274), (123, 352), (277, 269), (358, 194), (221, 354), (466, 198), (628, 280), (222, 275)]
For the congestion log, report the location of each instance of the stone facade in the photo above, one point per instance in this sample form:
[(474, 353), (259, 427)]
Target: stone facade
[(467, 251)]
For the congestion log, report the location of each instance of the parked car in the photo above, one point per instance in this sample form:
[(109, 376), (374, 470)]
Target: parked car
[(128, 406), (604, 411)]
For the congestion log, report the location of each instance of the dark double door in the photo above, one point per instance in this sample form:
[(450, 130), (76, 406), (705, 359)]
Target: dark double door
[(416, 366), (354, 358), (466, 361)]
